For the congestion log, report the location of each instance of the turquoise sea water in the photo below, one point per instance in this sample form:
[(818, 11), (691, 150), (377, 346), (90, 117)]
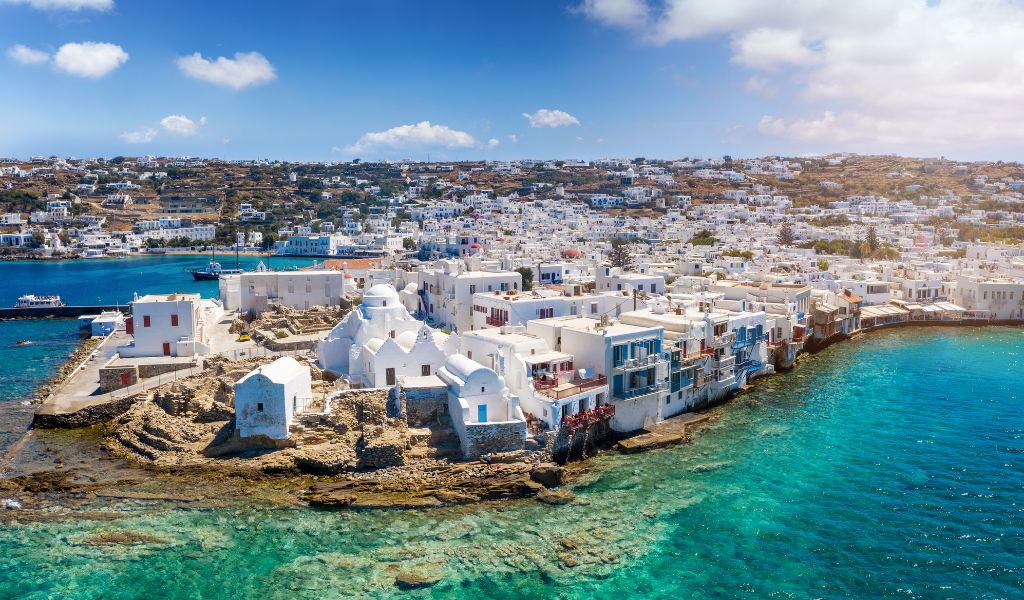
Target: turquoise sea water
[(114, 280), (891, 466), (26, 366)]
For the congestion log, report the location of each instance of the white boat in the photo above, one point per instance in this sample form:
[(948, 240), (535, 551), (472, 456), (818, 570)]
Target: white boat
[(33, 301)]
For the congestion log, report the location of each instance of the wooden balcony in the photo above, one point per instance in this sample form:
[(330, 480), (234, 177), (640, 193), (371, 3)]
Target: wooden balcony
[(552, 388)]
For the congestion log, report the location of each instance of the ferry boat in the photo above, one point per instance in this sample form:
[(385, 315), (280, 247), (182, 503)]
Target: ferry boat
[(213, 270), (33, 301)]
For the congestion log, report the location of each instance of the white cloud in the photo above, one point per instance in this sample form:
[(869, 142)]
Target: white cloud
[(181, 125), (550, 118), (513, 138), (422, 135), (918, 74), (244, 70), (760, 86), (89, 59), (64, 4), (767, 49), (27, 56), (493, 143), (139, 136), (616, 12)]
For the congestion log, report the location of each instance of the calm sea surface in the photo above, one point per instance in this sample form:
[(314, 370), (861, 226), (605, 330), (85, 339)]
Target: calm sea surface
[(887, 467)]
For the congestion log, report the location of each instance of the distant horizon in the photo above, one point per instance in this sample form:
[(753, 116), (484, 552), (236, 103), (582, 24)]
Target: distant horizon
[(735, 158)]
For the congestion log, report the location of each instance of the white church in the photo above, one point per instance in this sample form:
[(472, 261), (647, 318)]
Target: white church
[(379, 342)]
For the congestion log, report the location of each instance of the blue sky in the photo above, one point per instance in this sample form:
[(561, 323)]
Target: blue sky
[(658, 78)]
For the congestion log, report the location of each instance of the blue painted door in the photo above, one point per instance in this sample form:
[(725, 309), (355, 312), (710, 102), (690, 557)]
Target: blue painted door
[(481, 413)]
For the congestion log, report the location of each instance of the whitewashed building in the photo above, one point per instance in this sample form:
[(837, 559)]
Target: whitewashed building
[(485, 414), (267, 398), (170, 325), (379, 342)]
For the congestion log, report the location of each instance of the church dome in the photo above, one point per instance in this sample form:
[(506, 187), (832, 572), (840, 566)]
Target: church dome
[(379, 295)]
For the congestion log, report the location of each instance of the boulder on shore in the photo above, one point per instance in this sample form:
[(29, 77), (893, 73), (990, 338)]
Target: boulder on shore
[(548, 474)]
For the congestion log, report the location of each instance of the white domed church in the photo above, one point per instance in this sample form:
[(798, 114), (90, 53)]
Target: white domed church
[(379, 342)]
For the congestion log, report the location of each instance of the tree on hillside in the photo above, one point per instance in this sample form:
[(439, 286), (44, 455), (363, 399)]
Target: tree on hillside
[(527, 274), (786, 237), (872, 239), (620, 255)]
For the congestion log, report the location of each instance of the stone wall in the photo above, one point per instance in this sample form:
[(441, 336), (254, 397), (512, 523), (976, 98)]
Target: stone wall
[(110, 378), (493, 437), (424, 405), (146, 371)]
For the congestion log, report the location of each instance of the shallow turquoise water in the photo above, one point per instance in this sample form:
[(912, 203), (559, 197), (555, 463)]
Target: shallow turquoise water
[(27, 366), (887, 467)]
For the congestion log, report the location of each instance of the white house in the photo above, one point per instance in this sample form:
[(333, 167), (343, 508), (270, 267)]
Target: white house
[(629, 356), (550, 386), (486, 416), (380, 342), (446, 293), (170, 325), (267, 398), (294, 289)]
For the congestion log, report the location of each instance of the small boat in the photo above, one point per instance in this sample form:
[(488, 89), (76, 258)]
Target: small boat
[(33, 301), (213, 270)]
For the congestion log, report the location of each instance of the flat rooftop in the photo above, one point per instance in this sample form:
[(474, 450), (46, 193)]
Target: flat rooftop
[(175, 297)]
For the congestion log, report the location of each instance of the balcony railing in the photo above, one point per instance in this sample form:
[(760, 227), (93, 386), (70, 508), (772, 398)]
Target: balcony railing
[(648, 361), (588, 418), (749, 341), (552, 388), (750, 365), (495, 321), (725, 339), (641, 391)]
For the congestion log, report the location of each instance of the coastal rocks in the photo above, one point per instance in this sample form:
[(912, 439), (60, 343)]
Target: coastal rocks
[(548, 474), (123, 538), (326, 459), (418, 577), (386, 448), (458, 483), (555, 497)]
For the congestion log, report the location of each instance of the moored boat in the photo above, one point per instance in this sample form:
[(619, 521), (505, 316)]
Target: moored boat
[(213, 270), (34, 301)]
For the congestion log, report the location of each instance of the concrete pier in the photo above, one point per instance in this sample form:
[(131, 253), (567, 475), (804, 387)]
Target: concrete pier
[(43, 312), (668, 432)]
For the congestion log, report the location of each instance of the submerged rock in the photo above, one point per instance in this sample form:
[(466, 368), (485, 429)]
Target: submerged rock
[(560, 496), (418, 577), (124, 538)]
